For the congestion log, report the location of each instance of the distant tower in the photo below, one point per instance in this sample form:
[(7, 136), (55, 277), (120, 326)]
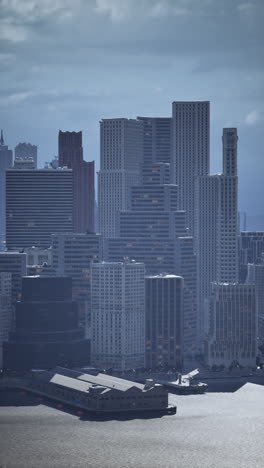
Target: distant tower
[(71, 156), (232, 326), (164, 321), (118, 315), (39, 202), (6, 157), (121, 150), (27, 150), (216, 229), (190, 150)]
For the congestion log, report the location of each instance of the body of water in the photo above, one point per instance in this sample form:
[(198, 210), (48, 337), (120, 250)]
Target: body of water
[(212, 430)]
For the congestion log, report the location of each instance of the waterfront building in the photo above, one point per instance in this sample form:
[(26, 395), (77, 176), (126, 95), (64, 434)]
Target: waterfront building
[(121, 153), (73, 254), (118, 315), (6, 157), (216, 225), (38, 203), (232, 325), (46, 332), (251, 246), (27, 150), (99, 392), (71, 155), (5, 310), (190, 151), (164, 321)]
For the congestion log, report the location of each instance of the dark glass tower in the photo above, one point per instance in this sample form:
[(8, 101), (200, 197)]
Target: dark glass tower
[(47, 331)]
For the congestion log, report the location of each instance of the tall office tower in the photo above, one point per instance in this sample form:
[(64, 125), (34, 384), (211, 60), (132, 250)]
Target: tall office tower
[(149, 232), (16, 264), (251, 246), (6, 157), (156, 140), (5, 310), (39, 202), (185, 265), (190, 151), (232, 325), (216, 225), (73, 254), (120, 168), (47, 332), (26, 150), (71, 156), (164, 321), (118, 315)]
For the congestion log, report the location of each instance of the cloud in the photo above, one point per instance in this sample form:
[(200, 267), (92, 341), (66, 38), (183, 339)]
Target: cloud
[(252, 118), (245, 7), (12, 32)]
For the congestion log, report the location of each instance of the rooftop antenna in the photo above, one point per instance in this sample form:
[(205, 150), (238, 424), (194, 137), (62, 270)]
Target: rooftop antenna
[(2, 138)]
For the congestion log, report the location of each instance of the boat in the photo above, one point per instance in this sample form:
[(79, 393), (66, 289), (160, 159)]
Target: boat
[(184, 384)]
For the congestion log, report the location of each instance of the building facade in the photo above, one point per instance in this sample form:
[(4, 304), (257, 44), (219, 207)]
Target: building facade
[(251, 246), (73, 254), (5, 310), (16, 264), (71, 155), (118, 315), (47, 331), (6, 160), (38, 203), (232, 325), (164, 321), (216, 229), (121, 154), (190, 151), (27, 150), (156, 140)]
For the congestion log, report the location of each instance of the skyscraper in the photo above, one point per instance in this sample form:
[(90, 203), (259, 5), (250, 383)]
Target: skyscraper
[(121, 156), (164, 321), (190, 150), (118, 315), (27, 150), (156, 140), (39, 202), (232, 325), (6, 157), (73, 254), (46, 332), (216, 224), (71, 156)]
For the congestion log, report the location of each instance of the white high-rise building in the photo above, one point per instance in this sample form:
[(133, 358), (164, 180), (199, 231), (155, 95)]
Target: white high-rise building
[(232, 325), (118, 315), (216, 225), (190, 150), (120, 163)]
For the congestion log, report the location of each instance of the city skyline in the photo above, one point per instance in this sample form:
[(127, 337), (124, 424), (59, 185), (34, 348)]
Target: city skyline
[(67, 65)]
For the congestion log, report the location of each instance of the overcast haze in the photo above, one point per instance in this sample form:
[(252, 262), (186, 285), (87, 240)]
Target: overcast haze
[(65, 64)]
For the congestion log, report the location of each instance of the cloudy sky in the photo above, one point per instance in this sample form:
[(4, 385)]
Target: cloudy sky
[(65, 64)]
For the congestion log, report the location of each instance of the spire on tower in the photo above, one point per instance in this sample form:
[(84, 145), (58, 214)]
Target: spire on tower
[(2, 138)]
